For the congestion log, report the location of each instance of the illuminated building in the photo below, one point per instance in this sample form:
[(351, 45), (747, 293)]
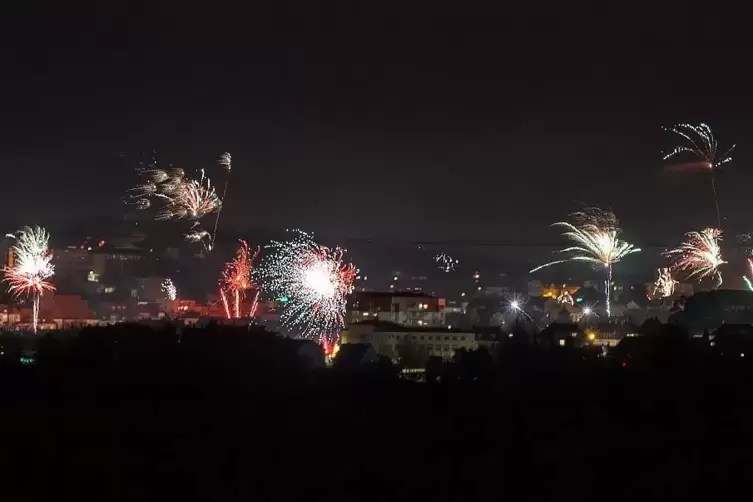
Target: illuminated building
[(554, 291), (72, 262), (118, 264), (9, 315), (404, 308), (562, 334), (387, 338)]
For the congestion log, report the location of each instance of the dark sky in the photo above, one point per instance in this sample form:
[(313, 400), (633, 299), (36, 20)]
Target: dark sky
[(408, 120)]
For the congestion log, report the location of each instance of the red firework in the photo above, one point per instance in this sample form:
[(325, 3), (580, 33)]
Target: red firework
[(236, 280)]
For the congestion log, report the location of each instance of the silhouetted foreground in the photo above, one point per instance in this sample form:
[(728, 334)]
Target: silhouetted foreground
[(127, 413)]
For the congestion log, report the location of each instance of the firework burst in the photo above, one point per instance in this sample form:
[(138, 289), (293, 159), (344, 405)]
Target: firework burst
[(664, 285), (236, 280), (174, 196), (188, 199), (594, 244), (701, 148), (226, 161), (596, 217), (445, 262), (699, 143), (314, 279), (565, 298), (31, 267), (168, 287), (700, 255)]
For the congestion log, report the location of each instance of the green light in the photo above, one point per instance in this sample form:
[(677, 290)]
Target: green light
[(284, 299), (579, 299)]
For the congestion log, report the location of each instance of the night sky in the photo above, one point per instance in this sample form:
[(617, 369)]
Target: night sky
[(378, 120)]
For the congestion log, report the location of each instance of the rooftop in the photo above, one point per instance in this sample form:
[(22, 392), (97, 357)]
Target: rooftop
[(388, 294), (386, 326)]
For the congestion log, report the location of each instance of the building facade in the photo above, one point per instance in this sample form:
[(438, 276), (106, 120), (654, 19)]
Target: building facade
[(388, 339), (403, 308)]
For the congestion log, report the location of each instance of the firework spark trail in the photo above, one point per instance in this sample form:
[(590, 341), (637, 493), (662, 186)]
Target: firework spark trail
[(316, 281), (197, 234), (700, 144), (31, 268), (226, 161), (445, 262), (750, 270), (748, 283), (236, 279), (254, 305), (225, 305), (664, 285), (594, 244), (700, 255)]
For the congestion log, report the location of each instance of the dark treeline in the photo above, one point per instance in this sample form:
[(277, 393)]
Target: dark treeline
[(132, 413)]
